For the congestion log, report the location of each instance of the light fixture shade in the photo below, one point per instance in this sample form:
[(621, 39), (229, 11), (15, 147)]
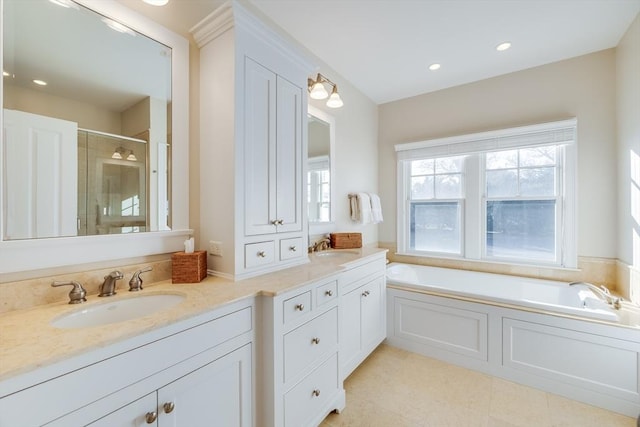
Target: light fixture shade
[(318, 91), (132, 156), (116, 155), (334, 100)]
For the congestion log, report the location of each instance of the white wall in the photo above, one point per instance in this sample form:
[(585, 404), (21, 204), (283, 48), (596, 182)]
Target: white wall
[(582, 87), (628, 127)]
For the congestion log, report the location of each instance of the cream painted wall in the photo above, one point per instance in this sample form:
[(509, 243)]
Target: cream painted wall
[(583, 87), (628, 127)]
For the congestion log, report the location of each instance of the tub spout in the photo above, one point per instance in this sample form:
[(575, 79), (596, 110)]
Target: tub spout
[(602, 292)]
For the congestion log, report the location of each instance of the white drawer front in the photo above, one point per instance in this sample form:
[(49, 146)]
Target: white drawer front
[(292, 248), (304, 401), (296, 307), (326, 293), (257, 254), (309, 343)]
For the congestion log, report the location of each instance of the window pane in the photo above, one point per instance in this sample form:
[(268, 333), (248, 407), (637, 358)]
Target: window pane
[(448, 186), (502, 159), (538, 182), (422, 167), (435, 227), (449, 165), (422, 187), (502, 183), (521, 229), (539, 156)]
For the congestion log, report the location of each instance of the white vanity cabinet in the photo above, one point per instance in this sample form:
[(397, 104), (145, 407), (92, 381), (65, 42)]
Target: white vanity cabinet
[(362, 312), (195, 372), (301, 383), (253, 107)]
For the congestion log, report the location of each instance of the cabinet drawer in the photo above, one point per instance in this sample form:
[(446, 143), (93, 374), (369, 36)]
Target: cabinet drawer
[(312, 393), (257, 254), (351, 278), (326, 293), (309, 343), (292, 248), (295, 307)]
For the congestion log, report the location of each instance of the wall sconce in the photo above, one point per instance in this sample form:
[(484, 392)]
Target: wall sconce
[(120, 152), (318, 91)]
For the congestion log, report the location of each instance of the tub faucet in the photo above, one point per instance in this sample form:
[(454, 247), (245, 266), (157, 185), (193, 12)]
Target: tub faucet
[(108, 287), (602, 292)]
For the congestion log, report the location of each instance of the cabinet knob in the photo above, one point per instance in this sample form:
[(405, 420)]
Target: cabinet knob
[(292, 248), (316, 392), (274, 221), (150, 417), (365, 293), (300, 307), (315, 340), (168, 407), (262, 254), (329, 293), (280, 221)]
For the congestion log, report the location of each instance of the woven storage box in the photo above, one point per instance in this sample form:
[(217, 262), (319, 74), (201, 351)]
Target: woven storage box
[(346, 240), (188, 268)]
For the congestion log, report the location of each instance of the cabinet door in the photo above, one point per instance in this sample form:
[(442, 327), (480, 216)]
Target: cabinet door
[(132, 415), (218, 394), (350, 331), (288, 156), (372, 314), (259, 149)]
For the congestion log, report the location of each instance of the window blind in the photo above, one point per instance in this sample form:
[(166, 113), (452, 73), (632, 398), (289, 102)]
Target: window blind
[(552, 133)]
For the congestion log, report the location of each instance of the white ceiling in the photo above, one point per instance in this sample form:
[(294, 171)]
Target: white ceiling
[(384, 47)]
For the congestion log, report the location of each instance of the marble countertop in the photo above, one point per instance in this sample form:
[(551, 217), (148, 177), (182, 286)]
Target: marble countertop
[(28, 341)]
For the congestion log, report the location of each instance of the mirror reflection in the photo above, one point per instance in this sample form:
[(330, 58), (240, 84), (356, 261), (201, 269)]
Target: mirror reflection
[(86, 118), (319, 169)]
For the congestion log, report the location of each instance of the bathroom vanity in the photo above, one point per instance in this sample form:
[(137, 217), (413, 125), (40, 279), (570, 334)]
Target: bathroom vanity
[(268, 351)]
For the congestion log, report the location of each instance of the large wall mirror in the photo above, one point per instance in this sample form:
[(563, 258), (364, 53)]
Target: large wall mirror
[(320, 171), (95, 132)]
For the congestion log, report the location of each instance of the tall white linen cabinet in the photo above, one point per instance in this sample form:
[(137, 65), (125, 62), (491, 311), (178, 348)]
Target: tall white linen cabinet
[(253, 144)]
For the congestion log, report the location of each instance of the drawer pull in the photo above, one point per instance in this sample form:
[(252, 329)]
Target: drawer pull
[(315, 340), (366, 293), (316, 392), (329, 293), (150, 417), (292, 248), (262, 254), (168, 407), (300, 307), (277, 221)]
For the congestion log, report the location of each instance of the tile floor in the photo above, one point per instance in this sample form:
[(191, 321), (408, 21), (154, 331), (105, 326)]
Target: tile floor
[(396, 388)]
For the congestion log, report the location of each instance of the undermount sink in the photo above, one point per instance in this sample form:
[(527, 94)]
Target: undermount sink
[(339, 253), (119, 310)]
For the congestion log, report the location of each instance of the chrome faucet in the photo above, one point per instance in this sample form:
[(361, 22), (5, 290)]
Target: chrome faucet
[(108, 287), (602, 292), (135, 284)]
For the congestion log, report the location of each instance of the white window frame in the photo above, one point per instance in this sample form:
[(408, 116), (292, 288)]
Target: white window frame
[(561, 133)]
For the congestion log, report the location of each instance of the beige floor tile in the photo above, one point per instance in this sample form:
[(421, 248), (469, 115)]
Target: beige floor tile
[(396, 388), (567, 413), (519, 405)]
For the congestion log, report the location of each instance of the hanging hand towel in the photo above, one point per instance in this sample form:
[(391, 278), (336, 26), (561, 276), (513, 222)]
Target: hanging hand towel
[(364, 208), (376, 209)]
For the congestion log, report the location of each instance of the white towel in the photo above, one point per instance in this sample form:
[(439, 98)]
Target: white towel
[(376, 208), (361, 208)]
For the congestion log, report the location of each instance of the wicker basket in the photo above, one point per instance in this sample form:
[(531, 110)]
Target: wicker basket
[(188, 268), (346, 240)]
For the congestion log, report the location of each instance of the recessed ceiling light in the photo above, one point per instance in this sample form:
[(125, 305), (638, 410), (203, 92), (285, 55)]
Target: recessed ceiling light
[(40, 82), (503, 46), (434, 67), (156, 2)]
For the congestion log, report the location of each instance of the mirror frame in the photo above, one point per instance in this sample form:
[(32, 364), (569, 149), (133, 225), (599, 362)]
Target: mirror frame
[(35, 254), (326, 227)]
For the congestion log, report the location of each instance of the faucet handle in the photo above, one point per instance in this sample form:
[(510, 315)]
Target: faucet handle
[(135, 284), (77, 295)]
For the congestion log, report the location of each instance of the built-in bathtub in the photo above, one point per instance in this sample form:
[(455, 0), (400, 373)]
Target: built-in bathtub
[(545, 295), (545, 334)]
